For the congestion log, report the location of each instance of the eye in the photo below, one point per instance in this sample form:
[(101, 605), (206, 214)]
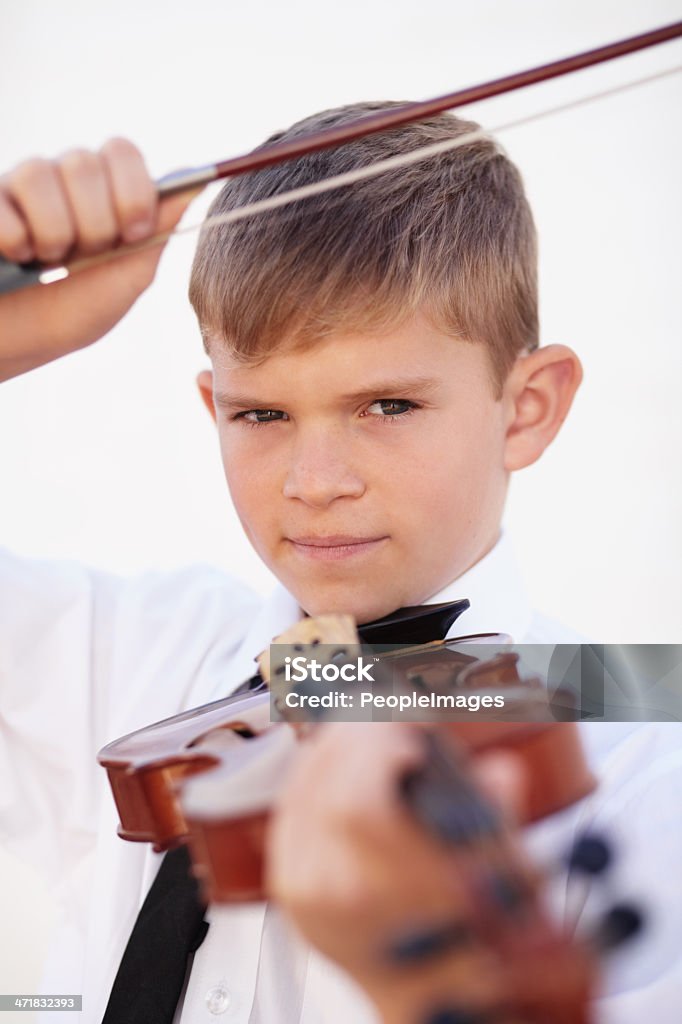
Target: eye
[(257, 417), (391, 408)]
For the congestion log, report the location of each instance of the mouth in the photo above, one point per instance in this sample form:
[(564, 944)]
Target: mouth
[(335, 546)]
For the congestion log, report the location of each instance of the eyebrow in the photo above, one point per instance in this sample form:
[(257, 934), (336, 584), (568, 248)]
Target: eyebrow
[(382, 389)]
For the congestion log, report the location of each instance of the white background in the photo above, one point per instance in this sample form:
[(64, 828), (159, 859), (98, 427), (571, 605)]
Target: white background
[(108, 456)]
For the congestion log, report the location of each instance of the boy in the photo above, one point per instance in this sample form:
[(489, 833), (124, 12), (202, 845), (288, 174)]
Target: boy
[(376, 378)]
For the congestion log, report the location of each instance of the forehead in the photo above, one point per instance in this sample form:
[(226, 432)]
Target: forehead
[(413, 354)]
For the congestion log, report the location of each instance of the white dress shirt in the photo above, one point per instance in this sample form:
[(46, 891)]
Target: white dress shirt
[(86, 657)]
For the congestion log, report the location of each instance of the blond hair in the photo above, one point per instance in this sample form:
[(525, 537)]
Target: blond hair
[(451, 236)]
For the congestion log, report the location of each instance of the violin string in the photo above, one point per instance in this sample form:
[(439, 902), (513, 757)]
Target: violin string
[(348, 178)]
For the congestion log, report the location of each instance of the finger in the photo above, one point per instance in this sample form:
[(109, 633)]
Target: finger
[(86, 184), (36, 191), (15, 240), (344, 758), (502, 778), (133, 191)]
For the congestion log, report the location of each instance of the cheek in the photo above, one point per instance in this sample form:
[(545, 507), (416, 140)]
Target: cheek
[(461, 476), (247, 480), (255, 509)]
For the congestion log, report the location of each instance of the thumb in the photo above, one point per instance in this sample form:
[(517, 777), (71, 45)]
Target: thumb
[(172, 208)]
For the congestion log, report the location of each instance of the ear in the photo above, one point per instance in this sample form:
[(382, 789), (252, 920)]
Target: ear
[(205, 385), (539, 392)]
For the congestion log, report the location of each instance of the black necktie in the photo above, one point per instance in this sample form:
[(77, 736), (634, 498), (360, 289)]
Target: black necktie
[(171, 926)]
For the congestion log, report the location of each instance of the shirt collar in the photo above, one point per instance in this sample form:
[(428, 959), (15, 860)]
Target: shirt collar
[(497, 596)]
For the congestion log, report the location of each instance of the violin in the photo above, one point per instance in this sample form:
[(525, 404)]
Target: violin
[(148, 769), (208, 777)]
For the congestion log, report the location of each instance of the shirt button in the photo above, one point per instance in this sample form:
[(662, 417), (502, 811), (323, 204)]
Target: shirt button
[(218, 999)]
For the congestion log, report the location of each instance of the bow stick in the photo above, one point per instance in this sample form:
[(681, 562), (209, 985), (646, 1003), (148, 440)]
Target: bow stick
[(14, 276)]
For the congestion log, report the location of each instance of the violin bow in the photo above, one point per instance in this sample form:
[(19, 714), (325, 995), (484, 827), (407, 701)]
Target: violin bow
[(14, 276)]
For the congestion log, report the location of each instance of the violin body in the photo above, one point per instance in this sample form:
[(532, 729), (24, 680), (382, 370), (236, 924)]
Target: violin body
[(147, 768)]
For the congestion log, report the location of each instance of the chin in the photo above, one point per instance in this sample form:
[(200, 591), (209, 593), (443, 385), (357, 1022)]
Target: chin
[(363, 607)]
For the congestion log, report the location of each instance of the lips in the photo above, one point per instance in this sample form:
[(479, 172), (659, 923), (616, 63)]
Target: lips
[(335, 546), (333, 540)]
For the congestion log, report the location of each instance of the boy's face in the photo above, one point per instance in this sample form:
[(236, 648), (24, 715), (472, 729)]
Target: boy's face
[(367, 470)]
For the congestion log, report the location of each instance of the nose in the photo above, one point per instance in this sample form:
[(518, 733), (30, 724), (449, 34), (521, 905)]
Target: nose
[(321, 470)]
